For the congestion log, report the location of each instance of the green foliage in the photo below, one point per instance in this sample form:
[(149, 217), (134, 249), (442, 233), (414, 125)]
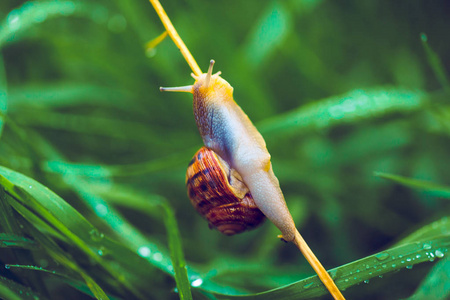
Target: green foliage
[(93, 156)]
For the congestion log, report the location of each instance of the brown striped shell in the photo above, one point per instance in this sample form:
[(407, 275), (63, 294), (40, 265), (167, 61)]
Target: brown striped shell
[(217, 192)]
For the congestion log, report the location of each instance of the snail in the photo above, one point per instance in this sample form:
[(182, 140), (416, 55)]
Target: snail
[(239, 155), (217, 192), (227, 130)]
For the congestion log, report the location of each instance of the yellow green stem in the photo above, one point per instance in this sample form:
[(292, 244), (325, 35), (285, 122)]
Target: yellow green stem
[(176, 38)]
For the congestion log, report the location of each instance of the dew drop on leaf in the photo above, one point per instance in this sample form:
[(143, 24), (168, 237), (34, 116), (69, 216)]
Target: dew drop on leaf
[(308, 285), (426, 246), (157, 256), (96, 235), (382, 256), (144, 251), (439, 253), (197, 282)]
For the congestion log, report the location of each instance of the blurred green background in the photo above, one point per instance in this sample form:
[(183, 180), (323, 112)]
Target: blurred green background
[(339, 90)]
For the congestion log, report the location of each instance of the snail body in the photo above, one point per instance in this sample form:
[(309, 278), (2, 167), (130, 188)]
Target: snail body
[(227, 130), (217, 192)]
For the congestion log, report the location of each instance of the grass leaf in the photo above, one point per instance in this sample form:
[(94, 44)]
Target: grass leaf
[(435, 63), (176, 253), (437, 189), (427, 249), (33, 13), (14, 241), (436, 285), (14, 291), (352, 107)]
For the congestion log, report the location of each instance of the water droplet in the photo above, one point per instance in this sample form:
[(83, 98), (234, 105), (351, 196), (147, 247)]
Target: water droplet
[(408, 259), (426, 246), (308, 285), (366, 281), (384, 266), (439, 253), (96, 235), (13, 20), (144, 251), (7, 266), (101, 210), (394, 265), (409, 267), (157, 256), (382, 255), (400, 256), (380, 276), (402, 262), (346, 280), (197, 282), (30, 187), (418, 256), (358, 270), (367, 267)]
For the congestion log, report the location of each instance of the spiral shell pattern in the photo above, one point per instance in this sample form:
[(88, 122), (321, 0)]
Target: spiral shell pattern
[(208, 184)]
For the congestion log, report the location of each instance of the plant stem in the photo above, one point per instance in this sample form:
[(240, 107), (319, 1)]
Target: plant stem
[(317, 266), (176, 38)]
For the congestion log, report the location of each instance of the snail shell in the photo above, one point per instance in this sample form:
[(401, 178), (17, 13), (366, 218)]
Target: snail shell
[(218, 193)]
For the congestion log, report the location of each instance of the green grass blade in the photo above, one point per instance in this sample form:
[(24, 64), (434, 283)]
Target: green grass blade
[(176, 253), (352, 107), (64, 258), (41, 206), (66, 94), (436, 285), (145, 167), (14, 291), (8, 222), (437, 228), (432, 246), (131, 198), (15, 241), (270, 31), (435, 63), (3, 94), (178, 263), (33, 13), (440, 190)]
